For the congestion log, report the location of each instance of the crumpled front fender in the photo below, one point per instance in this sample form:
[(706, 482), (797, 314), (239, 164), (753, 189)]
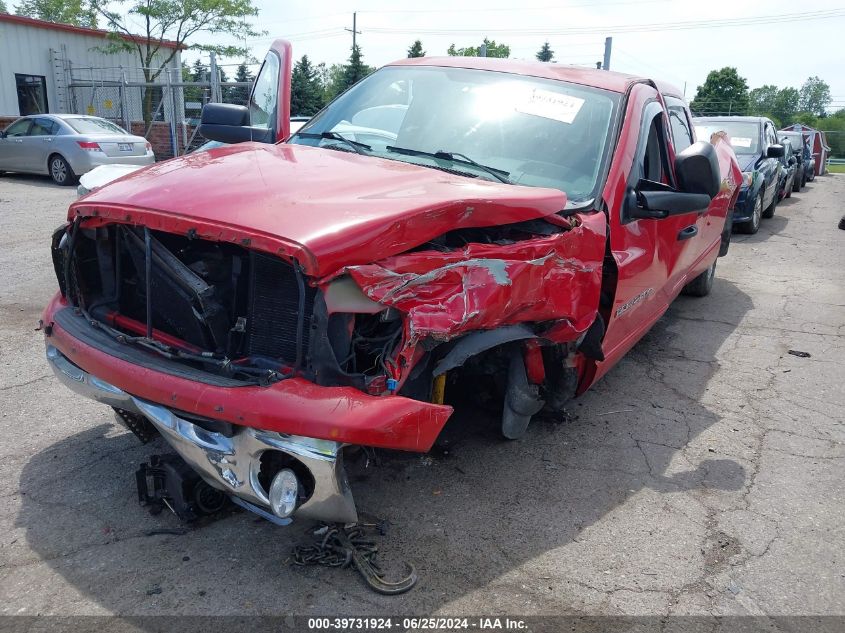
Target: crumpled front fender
[(553, 279)]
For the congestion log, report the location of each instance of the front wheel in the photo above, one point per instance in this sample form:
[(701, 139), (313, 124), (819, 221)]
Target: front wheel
[(701, 285), (60, 171), (753, 225), (770, 210)]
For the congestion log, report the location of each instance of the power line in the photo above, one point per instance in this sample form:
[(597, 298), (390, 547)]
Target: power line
[(518, 9), (629, 28)]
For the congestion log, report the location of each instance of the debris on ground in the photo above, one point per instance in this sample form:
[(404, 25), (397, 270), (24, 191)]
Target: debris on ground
[(338, 545), (799, 353)]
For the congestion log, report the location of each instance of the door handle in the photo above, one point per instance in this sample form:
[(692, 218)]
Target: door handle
[(17, 140), (688, 232), (48, 140)]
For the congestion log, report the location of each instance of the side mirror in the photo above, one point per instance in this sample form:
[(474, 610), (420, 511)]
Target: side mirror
[(2, 134), (229, 123), (697, 170), (655, 201), (774, 151)]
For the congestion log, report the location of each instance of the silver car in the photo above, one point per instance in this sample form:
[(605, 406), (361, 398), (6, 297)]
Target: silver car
[(65, 146)]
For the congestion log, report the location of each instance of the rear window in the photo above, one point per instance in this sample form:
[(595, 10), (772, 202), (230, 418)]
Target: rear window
[(92, 125)]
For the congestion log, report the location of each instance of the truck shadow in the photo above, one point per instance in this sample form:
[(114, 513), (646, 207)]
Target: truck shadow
[(467, 515)]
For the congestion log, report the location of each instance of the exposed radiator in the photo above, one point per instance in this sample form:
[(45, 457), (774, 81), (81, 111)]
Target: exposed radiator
[(274, 309)]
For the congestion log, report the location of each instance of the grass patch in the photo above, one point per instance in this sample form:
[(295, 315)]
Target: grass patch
[(836, 169)]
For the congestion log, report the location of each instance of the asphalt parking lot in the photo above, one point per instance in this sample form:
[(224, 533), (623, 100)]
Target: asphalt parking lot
[(703, 475)]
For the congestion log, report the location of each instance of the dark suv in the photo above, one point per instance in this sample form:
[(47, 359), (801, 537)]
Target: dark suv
[(804, 156), (755, 141)]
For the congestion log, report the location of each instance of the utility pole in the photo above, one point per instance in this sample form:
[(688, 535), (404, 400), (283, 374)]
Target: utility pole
[(214, 79), (608, 44), (354, 30)]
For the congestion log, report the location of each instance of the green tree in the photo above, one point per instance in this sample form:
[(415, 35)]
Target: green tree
[(815, 96), (545, 54), (763, 100), (76, 12), (356, 69), (177, 21), (493, 50), (332, 79), (240, 94), (834, 126), (786, 105), (3, 8), (306, 96), (196, 72), (723, 92), (416, 49)]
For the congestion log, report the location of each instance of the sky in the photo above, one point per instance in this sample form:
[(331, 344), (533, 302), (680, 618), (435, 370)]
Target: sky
[(762, 38)]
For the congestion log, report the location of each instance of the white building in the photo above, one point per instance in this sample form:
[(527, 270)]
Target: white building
[(49, 67)]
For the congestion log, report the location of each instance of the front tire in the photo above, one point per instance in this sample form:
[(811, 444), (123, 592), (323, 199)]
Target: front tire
[(770, 210), (703, 284), (60, 171), (753, 225)]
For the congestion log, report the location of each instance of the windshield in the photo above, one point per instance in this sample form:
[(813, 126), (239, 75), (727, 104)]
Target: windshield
[(744, 137), (93, 125), (483, 124)]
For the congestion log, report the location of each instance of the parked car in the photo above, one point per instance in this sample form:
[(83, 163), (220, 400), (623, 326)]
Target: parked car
[(507, 225), (755, 142), (788, 170), (65, 146), (803, 154)]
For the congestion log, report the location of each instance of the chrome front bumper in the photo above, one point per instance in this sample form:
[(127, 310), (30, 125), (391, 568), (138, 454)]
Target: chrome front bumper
[(230, 464)]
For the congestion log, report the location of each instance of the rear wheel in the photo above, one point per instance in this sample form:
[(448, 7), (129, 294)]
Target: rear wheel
[(60, 171), (753, 225), (701, 285)]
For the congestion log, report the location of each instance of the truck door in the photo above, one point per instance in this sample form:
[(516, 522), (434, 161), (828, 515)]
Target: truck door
[(651, 256), (695, 257)]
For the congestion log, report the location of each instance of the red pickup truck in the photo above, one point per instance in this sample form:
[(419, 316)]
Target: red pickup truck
[(444, 224)]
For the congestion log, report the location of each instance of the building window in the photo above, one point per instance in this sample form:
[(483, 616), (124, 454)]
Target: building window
[(32, 94)]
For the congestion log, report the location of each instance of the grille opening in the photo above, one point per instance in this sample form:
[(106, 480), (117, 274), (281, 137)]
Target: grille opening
[(241, 307)]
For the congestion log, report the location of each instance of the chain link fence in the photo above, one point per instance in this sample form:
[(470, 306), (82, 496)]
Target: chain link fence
[(165, 111)]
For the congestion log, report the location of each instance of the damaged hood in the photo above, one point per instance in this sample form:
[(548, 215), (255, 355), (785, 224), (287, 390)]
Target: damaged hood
[(326, 208)]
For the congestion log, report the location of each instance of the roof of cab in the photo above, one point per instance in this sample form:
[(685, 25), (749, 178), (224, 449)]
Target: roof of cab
[(604, 79)]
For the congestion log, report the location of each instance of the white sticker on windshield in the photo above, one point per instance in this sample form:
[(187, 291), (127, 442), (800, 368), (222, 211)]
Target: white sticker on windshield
[(549, 105), (740, 141)]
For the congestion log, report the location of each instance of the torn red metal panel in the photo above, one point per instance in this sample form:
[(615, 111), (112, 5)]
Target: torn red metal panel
[(484, 286)]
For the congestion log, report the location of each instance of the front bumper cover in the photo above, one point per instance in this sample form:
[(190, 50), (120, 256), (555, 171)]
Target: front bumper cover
[(293, 406), (231, 464)]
